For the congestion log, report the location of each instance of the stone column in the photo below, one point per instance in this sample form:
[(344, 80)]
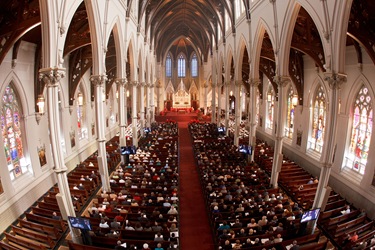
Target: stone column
[(99, 85), (227, 85), (334, 81), (281, 82), (134, 113), (51, 78), (158, 94), (213, 103), (219, 97), (205, 86), (237, 88), (122, 110), (152, 103), (148, 105), (252, 114), (142, 106)]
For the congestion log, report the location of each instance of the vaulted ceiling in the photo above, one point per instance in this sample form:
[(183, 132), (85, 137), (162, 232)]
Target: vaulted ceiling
[(196, 22)]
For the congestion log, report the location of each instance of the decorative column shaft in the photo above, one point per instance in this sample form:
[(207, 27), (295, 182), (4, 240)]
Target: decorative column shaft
[(205, 86), (134, 113), (334, 81), (152, 103), (213, 103), (148, 105), (219, 97), (122, 110), (252, 114), (52, 77), (99, 85), (227, 85), (279, 129), (142, 106), (237, 88)]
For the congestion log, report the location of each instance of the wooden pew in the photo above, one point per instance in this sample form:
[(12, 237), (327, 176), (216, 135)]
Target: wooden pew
[(331, 222), (7, 246), (25, 243), (34, 235), (59, 224), (44, 212), (51, 231)]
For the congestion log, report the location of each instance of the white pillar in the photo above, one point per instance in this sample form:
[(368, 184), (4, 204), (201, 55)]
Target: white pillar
[(334, 81), (252, 114), (152, 103), (99, 85), (134, 113), (205, 86), (142, 106), (148, 105), (227, 85), (219, 97), (237, 88), (122, 110), (213, 103), (51, 77), (279, 128)]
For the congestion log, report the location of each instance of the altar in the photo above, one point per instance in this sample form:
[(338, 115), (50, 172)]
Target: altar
[(181, 98)]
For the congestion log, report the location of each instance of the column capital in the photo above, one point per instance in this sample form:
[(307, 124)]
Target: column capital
[(335, 80), (238, 83), (281, 81), (152, 85), (227, 83), (133, 83), (51, 76), (121, 82), (98, 79), (142, 84), (254, 82)]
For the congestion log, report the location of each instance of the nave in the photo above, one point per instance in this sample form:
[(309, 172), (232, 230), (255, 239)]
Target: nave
[(219, 177)]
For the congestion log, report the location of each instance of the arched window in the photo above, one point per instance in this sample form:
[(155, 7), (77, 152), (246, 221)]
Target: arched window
[(168, 66), (181, 66), (81, 114), (62, 132), (194, 66), (270, 107), (361, 132), (289, 128), (12, 131), (318, 121)]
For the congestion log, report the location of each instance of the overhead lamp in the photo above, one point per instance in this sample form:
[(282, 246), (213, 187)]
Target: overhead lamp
[(80, 99), (40, 103), (269, 97), (295, 100), (127, 93)]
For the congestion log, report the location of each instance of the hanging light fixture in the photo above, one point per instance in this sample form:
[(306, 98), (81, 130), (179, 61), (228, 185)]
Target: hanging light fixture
[(40, 103), (80, 99), (295, 100), (269, 97)]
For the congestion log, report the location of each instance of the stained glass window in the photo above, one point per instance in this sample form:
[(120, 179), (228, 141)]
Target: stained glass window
[(181, 66), (11, 127), (289, 128), (168, 66), (361, 132), (318, 122), (270, 107), (194, 66)]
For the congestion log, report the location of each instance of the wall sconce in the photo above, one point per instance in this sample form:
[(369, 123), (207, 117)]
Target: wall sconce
[(295, 100), (40, 103), (269, 97), (80, 99)]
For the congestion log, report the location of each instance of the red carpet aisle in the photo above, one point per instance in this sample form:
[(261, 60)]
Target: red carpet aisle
[(195, 232)]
